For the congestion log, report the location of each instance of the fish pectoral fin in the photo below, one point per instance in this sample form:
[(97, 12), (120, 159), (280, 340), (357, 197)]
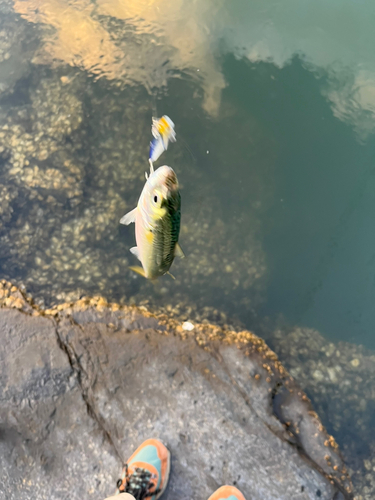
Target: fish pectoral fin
[(178, 252), (129, 217), (171, 275), (139, 270), (135, 251)]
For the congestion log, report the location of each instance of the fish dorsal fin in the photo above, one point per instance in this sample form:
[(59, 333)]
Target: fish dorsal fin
[(135, 251), (129, 217), (139, 270), (178, 252)]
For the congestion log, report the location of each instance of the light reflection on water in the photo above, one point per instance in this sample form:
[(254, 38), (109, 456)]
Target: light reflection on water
[(114, 39), (274, 108)]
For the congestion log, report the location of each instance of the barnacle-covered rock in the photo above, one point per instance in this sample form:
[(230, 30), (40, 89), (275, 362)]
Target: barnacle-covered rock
[(84, 383), (7, 194), (339, 377)]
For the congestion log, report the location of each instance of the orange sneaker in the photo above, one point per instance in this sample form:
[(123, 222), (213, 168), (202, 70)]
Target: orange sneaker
[(145, 474), (227, 493)]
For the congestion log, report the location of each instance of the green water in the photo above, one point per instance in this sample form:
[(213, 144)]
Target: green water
[(317, 231), (274, 110)]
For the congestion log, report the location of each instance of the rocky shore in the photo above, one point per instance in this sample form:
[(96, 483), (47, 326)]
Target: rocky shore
[(84, 383), (339, 378)]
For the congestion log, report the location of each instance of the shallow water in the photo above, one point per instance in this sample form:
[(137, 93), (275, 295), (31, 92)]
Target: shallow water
[(274, 109), (274, 106)]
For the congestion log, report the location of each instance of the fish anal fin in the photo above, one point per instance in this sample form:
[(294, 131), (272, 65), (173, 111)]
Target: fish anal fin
[(129, 217), (138, 270), (178, 252), (135, 251)]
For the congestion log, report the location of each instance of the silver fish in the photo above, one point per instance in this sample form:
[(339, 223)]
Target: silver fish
[(157, 223)]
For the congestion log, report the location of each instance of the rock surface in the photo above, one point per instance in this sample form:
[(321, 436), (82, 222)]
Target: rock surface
[(81, 386), (339, 378)]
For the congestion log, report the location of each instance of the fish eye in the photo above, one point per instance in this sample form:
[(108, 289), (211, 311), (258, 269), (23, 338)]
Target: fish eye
[(155, 199)]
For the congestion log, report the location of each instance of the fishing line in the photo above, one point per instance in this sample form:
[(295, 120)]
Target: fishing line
[(180, 137), (333, 246), (194, 182)]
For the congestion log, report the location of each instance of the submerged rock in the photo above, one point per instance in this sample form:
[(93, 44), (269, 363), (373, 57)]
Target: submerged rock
[(83, 384), (339, 378)]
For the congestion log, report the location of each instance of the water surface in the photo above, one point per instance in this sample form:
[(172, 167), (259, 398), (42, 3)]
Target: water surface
[(276, 105)]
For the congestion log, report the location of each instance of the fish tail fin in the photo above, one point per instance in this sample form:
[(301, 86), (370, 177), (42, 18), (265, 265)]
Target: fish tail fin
[(138, 270)]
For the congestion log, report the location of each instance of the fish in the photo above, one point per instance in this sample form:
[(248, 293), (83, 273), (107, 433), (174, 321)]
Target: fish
[(157, 219), (163, 131)]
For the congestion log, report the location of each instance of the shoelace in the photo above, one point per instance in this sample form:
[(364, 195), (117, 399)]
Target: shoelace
[(138, 484)]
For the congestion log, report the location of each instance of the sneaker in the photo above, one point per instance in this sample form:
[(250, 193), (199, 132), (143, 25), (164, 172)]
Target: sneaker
[(146, 473), (227, 493)]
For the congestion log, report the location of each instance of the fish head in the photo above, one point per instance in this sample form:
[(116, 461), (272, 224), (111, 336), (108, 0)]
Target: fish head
[(160, 194)]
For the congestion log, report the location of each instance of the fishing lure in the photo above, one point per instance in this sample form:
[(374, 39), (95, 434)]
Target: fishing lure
[(163, 131)]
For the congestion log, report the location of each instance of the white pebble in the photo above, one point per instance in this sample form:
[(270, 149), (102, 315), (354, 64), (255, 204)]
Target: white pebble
[(187, 326)]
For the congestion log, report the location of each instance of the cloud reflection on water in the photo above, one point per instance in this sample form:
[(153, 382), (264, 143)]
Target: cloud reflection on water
[(140, 42), (145, 41)]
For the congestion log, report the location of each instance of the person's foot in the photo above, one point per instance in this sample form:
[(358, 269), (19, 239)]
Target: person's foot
[(146, 473), (227, 493)]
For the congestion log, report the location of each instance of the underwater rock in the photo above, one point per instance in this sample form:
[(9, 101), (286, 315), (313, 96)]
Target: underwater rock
[(83, 384), (6, 197), (73, 154), (339, 378), (37, 130), (15, 51)]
